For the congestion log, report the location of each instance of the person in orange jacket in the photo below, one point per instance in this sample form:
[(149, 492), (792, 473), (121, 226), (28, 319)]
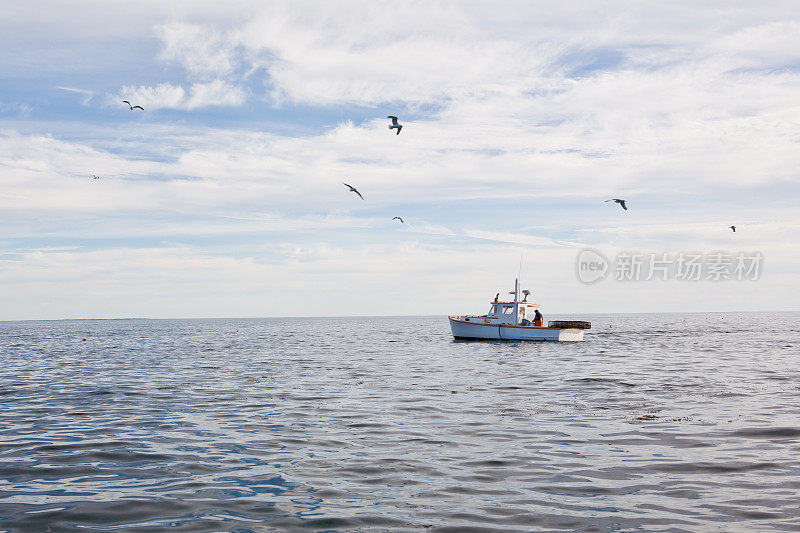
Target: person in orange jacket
[(538, 319)]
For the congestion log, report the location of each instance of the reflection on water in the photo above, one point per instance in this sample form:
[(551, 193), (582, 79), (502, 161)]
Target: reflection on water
[(655, 422)]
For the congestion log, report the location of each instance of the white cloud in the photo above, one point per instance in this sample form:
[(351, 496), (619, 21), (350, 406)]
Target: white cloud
[(513, 238), (622, 94), (200, 50), (371, 54), (168, 96), (365, 55), (164, 95), (770, 45), (214, 93), (87, 94), (18, 109)]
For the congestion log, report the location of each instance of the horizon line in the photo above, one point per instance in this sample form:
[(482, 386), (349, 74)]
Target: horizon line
[(749, 312)]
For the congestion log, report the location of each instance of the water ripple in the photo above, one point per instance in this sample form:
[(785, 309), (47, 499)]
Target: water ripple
[(654, 423)]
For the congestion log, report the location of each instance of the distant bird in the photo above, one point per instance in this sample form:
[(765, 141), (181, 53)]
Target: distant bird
[(353, 189), (395, 124), (400, 219), (620, 202), (95, 177), (132, 106), (733, 228)]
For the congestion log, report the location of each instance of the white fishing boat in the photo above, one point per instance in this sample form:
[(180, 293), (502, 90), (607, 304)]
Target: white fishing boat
[(513, 321)]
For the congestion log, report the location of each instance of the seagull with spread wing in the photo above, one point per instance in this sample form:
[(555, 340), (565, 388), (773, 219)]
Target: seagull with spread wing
[(132, 106), (400, 219), (353, 189), (733, 228), (620, 202), (395, 125)]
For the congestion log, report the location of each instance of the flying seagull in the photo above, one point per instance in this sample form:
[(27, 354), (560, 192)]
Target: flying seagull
[(132, 106), (395, 124), (95, 177), (353, 189), (733, 228), (400, 219), (620, 202)]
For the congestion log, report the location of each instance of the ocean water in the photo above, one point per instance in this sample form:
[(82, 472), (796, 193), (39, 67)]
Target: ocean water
[(655, 422)]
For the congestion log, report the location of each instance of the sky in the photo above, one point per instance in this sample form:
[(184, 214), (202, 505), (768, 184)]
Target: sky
[(224, 197)]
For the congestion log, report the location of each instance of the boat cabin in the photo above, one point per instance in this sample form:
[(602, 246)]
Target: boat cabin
[(508, 313)]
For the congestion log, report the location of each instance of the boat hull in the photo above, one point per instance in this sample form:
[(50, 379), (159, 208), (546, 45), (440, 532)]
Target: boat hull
[(466, 330)]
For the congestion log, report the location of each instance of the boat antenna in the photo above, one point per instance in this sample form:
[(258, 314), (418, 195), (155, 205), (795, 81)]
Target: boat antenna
[(520, 267)]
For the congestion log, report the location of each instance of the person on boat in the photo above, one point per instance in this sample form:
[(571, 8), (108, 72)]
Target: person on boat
[(538, 319)]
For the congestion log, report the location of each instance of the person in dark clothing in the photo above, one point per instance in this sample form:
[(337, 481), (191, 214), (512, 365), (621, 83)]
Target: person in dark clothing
[(538, 319)]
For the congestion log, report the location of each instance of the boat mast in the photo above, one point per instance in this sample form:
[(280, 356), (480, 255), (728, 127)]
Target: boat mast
[(516, 292)]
